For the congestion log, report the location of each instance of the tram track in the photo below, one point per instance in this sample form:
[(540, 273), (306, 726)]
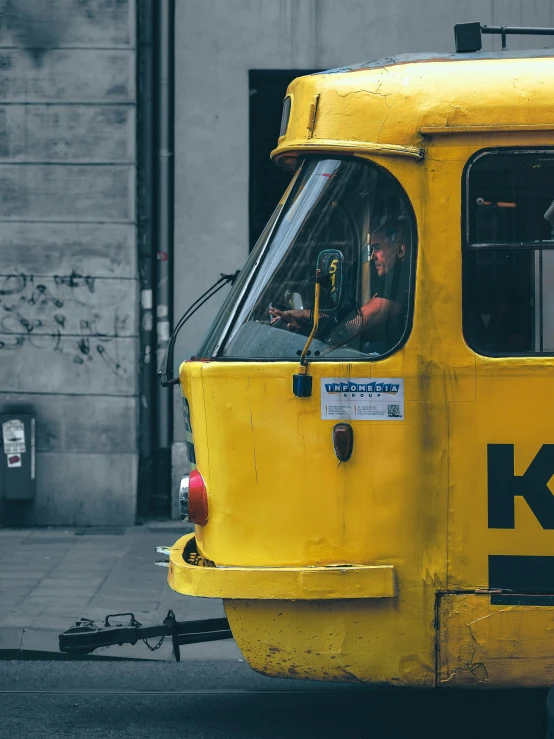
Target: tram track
[(182, 692)]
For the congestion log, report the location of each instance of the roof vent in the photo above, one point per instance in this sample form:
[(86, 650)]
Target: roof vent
[(467, 37)]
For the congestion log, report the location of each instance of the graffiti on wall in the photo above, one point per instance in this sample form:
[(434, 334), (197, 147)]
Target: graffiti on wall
[(64, 313)]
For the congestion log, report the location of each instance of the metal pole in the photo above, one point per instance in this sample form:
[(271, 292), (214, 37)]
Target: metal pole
[(161, 500), (145, 238), (518, 30)]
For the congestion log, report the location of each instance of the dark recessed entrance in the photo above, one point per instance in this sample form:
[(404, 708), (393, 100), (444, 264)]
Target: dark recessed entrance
[(267, 182)]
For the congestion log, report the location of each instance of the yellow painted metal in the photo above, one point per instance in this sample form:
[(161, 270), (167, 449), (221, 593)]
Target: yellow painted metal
[(486, 645), (348, 640), (504, 128), (391, 105), (279, 583), (342, 148), (414, 493)]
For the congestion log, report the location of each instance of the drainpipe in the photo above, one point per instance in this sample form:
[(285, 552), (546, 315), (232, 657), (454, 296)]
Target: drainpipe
[(145, 240), (163, 421)]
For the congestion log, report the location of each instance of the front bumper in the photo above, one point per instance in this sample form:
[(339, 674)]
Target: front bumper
[(192, 575)]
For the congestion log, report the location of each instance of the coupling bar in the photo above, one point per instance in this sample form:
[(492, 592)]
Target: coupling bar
[(86, 635)]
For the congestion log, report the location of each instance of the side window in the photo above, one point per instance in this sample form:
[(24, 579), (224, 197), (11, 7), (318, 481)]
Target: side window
[(508, 258)]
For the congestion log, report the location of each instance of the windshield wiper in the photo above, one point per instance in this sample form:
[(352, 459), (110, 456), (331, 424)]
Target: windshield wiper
[(167, 360)]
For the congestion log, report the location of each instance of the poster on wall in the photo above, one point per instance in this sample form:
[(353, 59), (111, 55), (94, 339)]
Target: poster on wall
[(13, 436)]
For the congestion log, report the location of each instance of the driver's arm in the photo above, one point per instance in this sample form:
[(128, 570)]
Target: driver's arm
[(295, 320), (379, 315)]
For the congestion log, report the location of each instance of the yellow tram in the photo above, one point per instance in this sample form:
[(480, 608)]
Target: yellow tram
[(371, 416)]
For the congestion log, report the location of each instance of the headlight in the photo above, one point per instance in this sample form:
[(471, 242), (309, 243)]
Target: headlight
[(184, 497)]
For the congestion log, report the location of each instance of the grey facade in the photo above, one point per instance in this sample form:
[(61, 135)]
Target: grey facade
[(68, 266)]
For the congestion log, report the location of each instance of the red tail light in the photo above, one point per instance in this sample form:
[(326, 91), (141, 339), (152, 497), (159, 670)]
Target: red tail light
[(198, 499)]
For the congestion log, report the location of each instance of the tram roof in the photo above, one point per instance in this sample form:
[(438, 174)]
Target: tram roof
[(390, 106), (390, 61)]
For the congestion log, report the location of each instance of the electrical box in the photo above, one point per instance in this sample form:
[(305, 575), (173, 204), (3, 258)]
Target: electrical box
[(17, 456)]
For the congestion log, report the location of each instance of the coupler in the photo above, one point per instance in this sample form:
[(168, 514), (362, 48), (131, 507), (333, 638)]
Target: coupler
[(86, 635)]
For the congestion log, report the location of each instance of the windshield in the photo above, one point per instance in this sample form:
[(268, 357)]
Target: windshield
[(352, 221)]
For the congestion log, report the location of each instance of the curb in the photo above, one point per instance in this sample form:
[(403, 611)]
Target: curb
[(42, 644)]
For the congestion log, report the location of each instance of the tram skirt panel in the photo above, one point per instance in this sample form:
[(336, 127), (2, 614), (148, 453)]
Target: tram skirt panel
[(488, 641)]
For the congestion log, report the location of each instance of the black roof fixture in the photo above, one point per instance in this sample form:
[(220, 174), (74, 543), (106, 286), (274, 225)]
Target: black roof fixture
[(468, 35)]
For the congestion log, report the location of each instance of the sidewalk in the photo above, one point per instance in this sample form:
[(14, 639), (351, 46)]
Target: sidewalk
[(49, 578)]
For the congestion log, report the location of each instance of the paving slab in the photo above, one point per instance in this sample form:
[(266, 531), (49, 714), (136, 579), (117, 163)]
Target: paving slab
[(10, 638), (50, 578)]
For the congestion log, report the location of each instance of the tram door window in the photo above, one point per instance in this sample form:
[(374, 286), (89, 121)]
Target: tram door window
[(508, 295)]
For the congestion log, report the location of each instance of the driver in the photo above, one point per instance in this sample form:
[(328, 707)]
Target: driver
[(384, 314)]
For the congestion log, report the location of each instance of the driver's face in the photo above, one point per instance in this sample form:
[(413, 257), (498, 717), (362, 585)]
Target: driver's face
[(384, 252)]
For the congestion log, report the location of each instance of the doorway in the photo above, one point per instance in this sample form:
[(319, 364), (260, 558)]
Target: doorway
[(267, 183)]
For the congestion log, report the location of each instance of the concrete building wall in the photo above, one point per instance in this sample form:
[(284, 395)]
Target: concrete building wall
[(68, 272), (217, 43)]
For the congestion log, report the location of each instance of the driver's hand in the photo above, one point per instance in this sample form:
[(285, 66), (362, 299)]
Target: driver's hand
[(294, 319)]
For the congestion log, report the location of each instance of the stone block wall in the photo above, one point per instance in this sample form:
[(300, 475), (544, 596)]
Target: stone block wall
[(68, 266)]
